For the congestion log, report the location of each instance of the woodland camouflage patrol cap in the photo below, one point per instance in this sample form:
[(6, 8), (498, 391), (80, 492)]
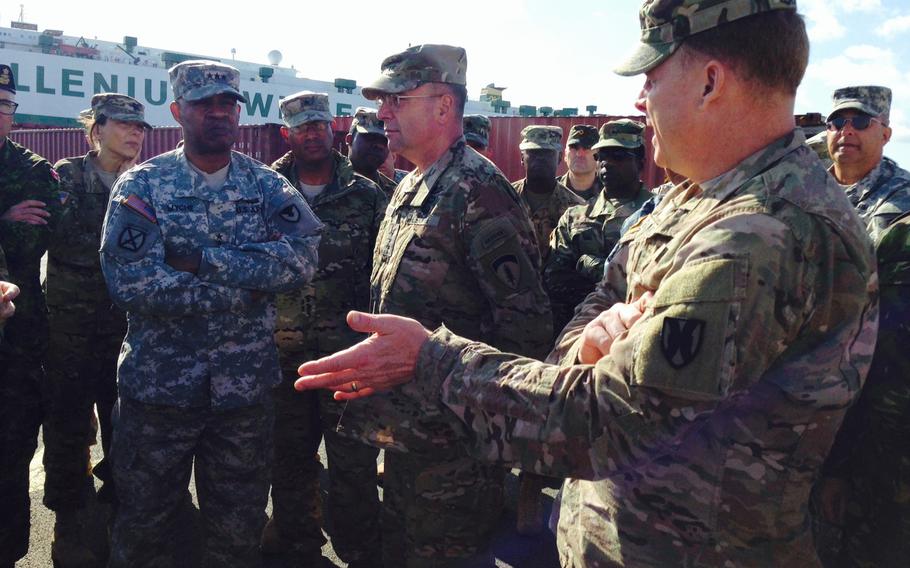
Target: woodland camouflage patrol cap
[(666, 23), (477, 129), (303, 107), (366, 122), (540, 137), (622, 133), (118, 107), (418, 65)]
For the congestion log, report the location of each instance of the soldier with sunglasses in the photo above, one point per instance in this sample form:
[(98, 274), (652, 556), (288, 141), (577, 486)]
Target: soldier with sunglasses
[(866, 483)]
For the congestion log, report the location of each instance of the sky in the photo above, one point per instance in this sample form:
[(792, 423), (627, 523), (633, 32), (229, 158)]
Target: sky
[(558, 54)]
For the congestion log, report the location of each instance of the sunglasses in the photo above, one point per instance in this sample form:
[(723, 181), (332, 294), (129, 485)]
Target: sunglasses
[(859, 122), (393, 102), (615, 155)]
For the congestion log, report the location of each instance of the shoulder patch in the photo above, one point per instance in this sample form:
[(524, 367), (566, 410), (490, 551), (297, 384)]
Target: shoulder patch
[(680, 340), (135, 204)]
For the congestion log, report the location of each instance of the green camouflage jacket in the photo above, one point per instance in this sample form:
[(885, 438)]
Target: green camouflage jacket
[(588, 194), (579, 247), (311, 319), (697, 439), (546, 218), (77, 298), (25, 175), (456, 247)]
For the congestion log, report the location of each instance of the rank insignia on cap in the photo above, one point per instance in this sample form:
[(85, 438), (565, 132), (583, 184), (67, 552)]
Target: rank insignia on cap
[(4, 76), (681, 339), (140, 207), (131, 239)]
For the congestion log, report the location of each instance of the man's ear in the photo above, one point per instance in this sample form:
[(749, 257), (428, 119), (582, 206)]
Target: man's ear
[(284, 133), (175, 112), (886, 135), (348, 138), (714, 75)]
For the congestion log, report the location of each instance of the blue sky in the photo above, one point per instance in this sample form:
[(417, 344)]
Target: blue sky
[(551, 53)]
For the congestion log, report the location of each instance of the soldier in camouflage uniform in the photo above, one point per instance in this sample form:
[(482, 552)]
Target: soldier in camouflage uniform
[(369, 148), (8, 293), (195, 243), (694, 414), (819, 145), (86, 329), (477, 133), (29, 201), (311, 324), (457, 247), (545, 198), (587, 233), (581, 176), (866, 488)]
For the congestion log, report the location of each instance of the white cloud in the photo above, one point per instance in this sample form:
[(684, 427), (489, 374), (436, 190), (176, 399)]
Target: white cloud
[(822, 20), (861, 5), (857, 65), (894, 26)]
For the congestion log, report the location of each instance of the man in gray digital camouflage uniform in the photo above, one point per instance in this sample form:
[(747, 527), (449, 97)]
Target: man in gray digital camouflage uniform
[(866, 483), (195, 244), (311, 325), (694, 397)]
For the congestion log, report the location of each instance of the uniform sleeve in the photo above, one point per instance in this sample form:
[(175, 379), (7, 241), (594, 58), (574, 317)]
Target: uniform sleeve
[(565, 286), (502, 253), (732, 304), (132, 259), (286, 262), (30, 241)]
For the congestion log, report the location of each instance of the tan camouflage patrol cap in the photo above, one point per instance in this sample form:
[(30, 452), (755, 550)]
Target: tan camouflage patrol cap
[(477, 129), (622, 133), (819, 145), (539, 137), (584, 135), (303, 107), (366, 122), (666, 23), (118, 107), (872, 100), (418, 65), (199, 79)]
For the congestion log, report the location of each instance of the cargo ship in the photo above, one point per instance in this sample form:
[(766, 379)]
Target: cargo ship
[(57, 74)]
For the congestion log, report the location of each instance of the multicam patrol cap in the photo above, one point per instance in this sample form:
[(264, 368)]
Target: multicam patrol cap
[(199, 79), (303, 107), (872, 100), (622, 133), (666, 23), (7, 80), (366, 122), (118, 107), (477, 129), (418, 65), (819, 145), (584, 135), (540, 137)]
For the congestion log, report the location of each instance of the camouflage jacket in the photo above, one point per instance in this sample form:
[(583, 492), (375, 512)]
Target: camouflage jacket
[(385, 183), (697, 439), (456, 247), (547, 217), (588, 194), (77, 298), (25, 175), (205, 339), (311, 320), (579, 247), (881, 196)]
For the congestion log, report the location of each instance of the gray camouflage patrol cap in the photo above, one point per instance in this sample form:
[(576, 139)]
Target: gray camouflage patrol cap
[(366, 122), (622, 133), (118, 107), (585, 135), (539, 137), (874, 101), (303, 107), (477, 129), (199, 79), (418, 65), (666, 23)]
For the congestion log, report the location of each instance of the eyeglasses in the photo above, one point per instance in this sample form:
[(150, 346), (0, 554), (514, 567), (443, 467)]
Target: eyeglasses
[(614, 154), (393, 102), (8, 107), (859, 122), (316, 127)]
